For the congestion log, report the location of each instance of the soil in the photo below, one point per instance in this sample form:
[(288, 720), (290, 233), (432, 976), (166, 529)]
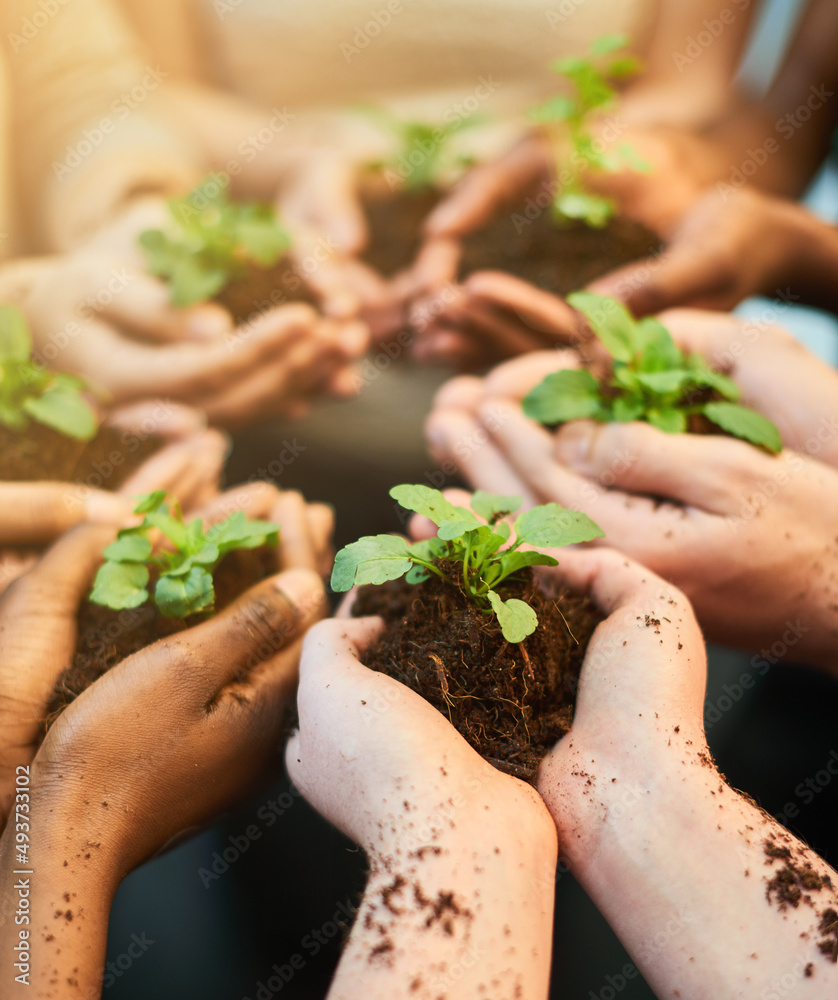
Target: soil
[(106, 637), (41, 454), (559, 259), (511, 702), (263, 288), (395, 221)]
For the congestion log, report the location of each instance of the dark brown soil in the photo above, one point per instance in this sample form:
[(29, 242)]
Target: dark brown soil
[(41, 454), (559, 259), (512, 702), (263, 289), (395, 221), (107, 637)]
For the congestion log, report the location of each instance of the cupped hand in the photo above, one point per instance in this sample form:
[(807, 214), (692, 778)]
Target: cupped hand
[(38, 612), (746, 535)]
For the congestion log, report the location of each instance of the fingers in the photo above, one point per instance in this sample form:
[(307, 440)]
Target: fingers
[(296, 543), (163, 418), (458, 440), (516, 378), (190, 470), (324, 199), (260, 624), (488, 188), (321, 521), (705, 471), (543, 312), (37, 513), (464, 392), (143, 306)]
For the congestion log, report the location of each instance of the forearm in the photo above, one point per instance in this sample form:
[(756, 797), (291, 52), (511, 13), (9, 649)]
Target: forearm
[(53, 940), (456, 920), (709, 894)]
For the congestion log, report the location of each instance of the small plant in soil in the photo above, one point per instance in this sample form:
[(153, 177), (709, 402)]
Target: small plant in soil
[(212, 243), (470, 627), (650, 379), (183, 572), (568, 120), (466, 552), (414, 176), (29, 391)]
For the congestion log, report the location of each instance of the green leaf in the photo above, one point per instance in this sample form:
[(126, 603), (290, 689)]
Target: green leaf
[(557, 109), (485, 543), (745, 423), (130, 546), (66, 411), (704, 375), (449, 530), (418, 574), (610, 321), (149, 501), (667, 419), (178, 597), (625, 66), (15, 340), (431, 504), (372, 559), (192, 282), (428, 549), (663, 383), (514, 562), (490, 505), (517, 619), (120, 585), (627, 408), (592, 209), (658, 351), (628, 157), (173, 529), (608, 43), (571, 394), (263, 240), (551, 526)]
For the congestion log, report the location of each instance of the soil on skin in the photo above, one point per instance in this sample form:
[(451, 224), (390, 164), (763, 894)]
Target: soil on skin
[(107, 637), (263, 288), (559, 259), (511, 702), (395, 221), (40, 454)]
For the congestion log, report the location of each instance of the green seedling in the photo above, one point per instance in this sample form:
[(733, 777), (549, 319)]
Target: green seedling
[(651, 380), (212, 242), (422, 157), (29, 391), (467, 552), (568, 119), (184, 573)]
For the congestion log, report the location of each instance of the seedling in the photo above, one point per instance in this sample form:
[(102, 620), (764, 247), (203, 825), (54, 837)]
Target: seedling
[(184, 584), (569, 121), (212, 242), (467, 552), (28, 391), (652, 380), (423, 156)]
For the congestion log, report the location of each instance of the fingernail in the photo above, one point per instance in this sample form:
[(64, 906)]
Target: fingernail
[(108, 508), (573, 445)]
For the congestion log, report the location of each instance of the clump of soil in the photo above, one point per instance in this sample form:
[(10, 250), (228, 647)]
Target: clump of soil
[(793, 882), (510, 701), (40, 454), (264, 288), (395, 221), (106, 637), (559, 259)]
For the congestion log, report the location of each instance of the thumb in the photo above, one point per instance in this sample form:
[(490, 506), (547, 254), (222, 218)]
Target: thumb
[(706, 471), (683, 275), (37, 513)]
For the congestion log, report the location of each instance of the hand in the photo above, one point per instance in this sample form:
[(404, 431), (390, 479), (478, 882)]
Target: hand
[(389, 771), (97, 314), (731, 244), (38, 612), (745, 535), (661, 843)]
